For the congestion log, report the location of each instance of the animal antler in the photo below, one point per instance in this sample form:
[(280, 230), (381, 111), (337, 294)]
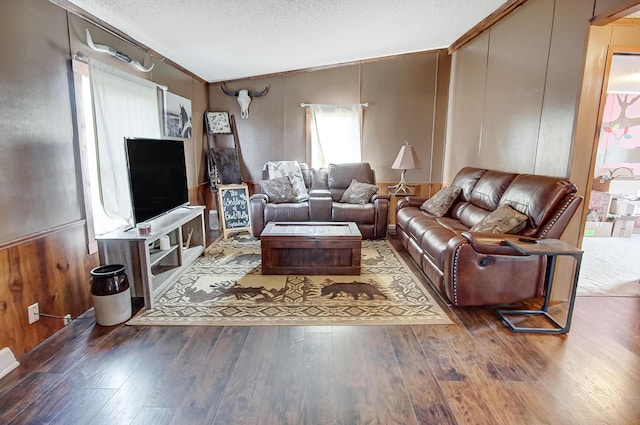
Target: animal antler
[(229, 92), (250, 93), (258, 94), (116, 54)]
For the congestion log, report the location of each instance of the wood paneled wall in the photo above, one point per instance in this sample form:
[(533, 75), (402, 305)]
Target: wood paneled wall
[(407, 97), (51, 269), (38, 179), (513, 92), (43, 244)]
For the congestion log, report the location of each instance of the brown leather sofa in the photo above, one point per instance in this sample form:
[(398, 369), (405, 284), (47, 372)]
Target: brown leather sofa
[(326, 187), (470, 268)]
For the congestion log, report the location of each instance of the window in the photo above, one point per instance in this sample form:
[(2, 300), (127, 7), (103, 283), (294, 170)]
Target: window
[(335, 134), (112, 105)]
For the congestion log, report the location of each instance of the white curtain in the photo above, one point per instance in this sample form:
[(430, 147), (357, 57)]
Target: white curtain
[(336, 134), (124, 106)]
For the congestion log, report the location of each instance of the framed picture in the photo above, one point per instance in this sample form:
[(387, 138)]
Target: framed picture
[(218, 123), (176, 115)]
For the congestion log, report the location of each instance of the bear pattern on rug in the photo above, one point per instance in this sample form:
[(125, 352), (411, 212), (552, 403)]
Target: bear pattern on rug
[(352, 288), (261, 294), (226, 287)]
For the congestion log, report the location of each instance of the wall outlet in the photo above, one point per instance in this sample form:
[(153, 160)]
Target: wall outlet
[(67, 319), (34, 313)]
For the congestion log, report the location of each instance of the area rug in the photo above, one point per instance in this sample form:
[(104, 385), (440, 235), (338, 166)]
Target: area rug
[(225, 287), (610, 267)]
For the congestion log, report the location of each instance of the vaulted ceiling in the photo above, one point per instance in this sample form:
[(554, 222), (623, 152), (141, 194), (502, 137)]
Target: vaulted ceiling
[(220, 40)]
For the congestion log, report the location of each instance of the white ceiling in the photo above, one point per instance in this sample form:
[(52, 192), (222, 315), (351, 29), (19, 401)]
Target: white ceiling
[(220, 40)]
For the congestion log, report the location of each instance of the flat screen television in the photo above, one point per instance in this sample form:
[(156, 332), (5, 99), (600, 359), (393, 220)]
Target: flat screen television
[(157, 176)]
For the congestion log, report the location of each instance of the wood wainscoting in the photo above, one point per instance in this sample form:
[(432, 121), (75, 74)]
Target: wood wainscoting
[(52, 269)]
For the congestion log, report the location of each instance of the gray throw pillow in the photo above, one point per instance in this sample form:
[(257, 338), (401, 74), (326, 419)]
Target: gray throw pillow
[(358, 192), (291, 169), (439, 204), (503, 220), (279, 190)]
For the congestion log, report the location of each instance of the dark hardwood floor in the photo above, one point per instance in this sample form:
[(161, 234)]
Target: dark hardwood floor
[(474, 371)]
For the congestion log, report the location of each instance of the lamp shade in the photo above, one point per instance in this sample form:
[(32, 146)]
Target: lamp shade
[(407, 159)]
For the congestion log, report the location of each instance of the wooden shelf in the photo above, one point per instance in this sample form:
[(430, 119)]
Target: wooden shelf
[(156, 255), (150, 270)]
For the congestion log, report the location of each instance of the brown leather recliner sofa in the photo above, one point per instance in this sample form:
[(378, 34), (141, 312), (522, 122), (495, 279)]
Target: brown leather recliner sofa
[(326, 187), (470, 268)]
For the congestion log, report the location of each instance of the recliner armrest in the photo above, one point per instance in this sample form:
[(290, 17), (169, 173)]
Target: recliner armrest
[(320, 207), (319, 193), (381, 205), (491, 243), (410, 201), (259, 197), (257, 204), (379, 196)]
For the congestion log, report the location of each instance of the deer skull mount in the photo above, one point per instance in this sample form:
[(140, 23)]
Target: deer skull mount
[(244, 98)]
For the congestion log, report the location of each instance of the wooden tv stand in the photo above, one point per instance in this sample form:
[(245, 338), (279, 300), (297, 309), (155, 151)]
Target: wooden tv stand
[(150, 270)]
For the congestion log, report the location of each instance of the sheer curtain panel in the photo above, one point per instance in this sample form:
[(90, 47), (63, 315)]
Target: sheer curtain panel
[(124, 106), (336, 134)]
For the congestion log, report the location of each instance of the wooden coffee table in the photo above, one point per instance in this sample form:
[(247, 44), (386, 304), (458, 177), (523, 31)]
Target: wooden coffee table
[(312, 248)]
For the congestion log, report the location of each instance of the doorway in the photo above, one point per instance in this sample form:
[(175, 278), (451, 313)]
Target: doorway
[(612, 232)]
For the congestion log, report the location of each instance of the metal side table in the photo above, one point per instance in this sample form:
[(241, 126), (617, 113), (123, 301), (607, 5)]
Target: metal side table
[(551, 248)]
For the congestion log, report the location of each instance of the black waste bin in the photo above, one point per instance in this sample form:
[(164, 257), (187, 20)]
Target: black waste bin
[(111, 294)]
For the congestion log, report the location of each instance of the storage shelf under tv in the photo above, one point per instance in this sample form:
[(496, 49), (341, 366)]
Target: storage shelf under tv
[(150, 270), (156, 255)]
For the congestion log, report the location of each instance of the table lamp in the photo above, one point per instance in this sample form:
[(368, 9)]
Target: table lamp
[(407, 159)]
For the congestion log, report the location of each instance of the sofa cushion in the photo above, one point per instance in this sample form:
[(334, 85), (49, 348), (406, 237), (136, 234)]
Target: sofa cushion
[(339, 177), (358, 213), (279, 190), (298, 211), (537, 196), (503, 220), (289, 168), (467, 179), (441, 202), (489, 189), (358, 192)]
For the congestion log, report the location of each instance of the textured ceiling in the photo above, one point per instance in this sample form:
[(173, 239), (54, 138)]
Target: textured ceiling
[(221, 40)]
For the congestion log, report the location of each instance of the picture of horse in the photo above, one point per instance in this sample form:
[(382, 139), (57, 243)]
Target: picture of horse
[(176, 114)]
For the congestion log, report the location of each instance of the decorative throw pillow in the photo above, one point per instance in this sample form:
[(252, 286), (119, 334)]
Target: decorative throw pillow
[(279, 190), (292, 169), (358, 192), (503, 220), (440, 203)]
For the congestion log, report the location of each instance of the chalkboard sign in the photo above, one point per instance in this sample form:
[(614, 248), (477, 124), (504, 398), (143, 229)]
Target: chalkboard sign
[(233, 204)]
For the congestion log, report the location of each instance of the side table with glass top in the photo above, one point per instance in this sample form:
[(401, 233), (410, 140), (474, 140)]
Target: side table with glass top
[(552, 249)]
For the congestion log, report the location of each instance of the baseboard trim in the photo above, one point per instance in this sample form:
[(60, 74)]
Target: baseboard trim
[(8, 361)]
